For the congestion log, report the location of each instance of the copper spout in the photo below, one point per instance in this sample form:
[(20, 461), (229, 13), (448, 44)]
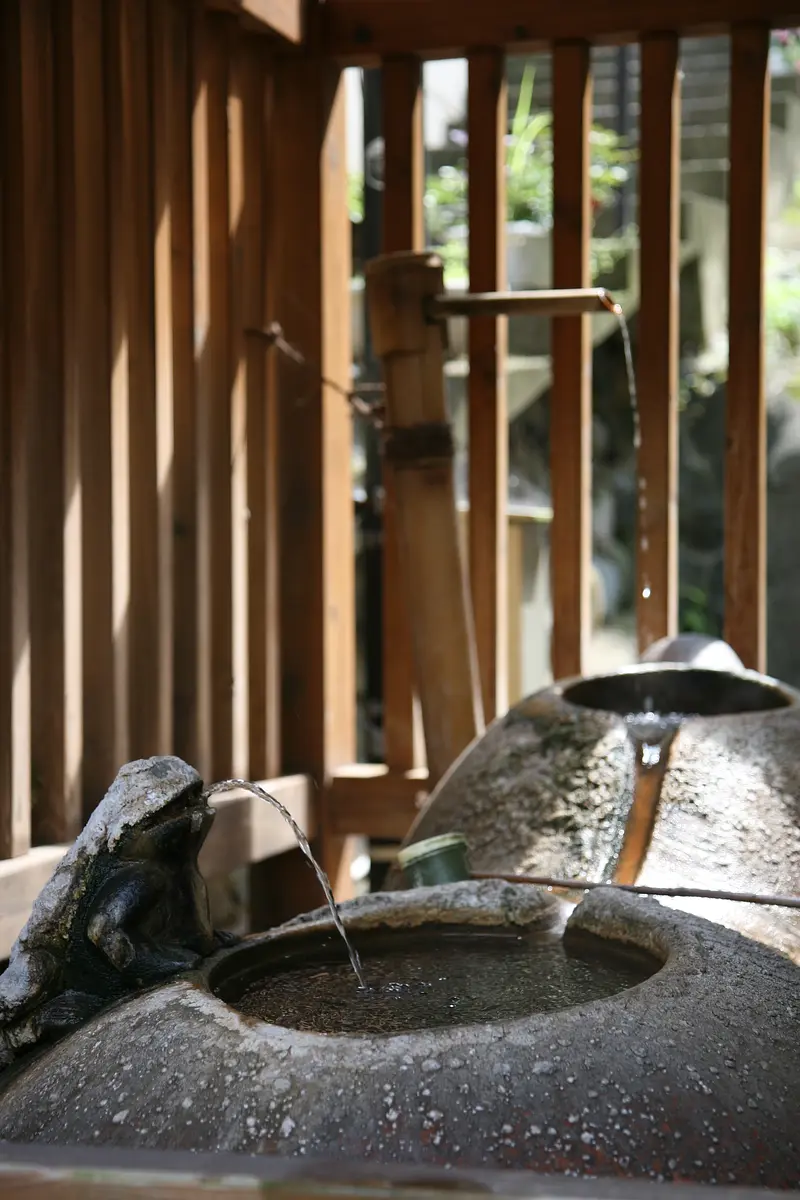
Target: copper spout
[(558, 302)]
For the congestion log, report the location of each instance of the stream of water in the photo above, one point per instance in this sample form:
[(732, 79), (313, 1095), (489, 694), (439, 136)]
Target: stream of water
[(230, 785), (641, 482)]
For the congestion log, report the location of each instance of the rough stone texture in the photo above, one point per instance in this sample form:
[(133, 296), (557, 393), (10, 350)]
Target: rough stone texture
[(547, 788), (729, 816), (691, 1075), (695, 648), (485, 902), (125, 906)]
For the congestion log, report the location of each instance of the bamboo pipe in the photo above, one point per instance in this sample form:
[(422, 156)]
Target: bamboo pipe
[(418, 450), (561, 302)]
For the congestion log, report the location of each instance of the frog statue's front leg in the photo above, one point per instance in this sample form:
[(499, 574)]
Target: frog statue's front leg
[(122, 928)]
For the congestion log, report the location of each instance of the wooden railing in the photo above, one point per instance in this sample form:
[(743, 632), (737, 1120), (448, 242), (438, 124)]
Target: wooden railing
[(398, 35), (176, 526), (171, 178)]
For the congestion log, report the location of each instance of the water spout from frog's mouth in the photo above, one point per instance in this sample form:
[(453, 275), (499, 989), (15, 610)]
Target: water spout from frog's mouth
[(228, 785)]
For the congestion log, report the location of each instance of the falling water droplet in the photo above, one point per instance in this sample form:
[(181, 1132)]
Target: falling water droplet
[(641, 482)]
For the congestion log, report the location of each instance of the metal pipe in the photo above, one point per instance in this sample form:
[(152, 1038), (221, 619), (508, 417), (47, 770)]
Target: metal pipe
[(557, 302)]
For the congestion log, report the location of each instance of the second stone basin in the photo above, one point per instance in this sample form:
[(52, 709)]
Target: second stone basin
[(556, 786)]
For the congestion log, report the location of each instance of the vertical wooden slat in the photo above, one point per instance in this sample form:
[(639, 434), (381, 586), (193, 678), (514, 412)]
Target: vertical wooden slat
[(184, 448), (88, 375), (118, 196), (163, 102), (657, 366), (141, 719), (212, 349), (240, 252), (258, 473), (311, 267), (65, 166), (269, 602), (403, 229), (570, 405), (745, 462), (15, 726), (45, 404), (488, 339), (148, 720)]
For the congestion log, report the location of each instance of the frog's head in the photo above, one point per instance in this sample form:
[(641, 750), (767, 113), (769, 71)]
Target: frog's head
[(153, 800)]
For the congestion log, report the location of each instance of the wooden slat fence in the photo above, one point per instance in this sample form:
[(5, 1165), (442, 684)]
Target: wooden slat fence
[(400, 36), (168, 183), (176, 533)]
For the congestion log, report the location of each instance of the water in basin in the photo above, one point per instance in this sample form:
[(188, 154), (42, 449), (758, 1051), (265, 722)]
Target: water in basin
[(430, 979)]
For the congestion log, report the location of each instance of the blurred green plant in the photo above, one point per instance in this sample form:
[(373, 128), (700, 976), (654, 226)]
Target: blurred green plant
[(529, 171), (529, 182), (696, 615)]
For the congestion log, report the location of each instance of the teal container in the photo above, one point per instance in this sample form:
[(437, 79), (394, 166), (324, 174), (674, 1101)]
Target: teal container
[(440, 859)]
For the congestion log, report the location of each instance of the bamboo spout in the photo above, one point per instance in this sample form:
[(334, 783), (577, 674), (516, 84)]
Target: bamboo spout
[(557, 302)]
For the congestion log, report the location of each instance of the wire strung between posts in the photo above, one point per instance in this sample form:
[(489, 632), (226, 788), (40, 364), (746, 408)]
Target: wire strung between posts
[(272, 337), (584, 885)]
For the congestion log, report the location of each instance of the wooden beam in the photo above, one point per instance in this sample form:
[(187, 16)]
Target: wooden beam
[(15, 718), (746, 420), (285, 18), (403, 229), (163, 103), (374, 801), (180, 32), (363, 31), (56, 811), (140, 698), (570, 396), (85, 225), (311, 273), (99, 1173), (657, 365), (255, 437), (487, 117), (148, 715), (212, 348), (245, 263)]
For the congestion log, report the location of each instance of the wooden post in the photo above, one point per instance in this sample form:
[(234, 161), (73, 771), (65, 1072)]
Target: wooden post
[(488, 340), (213, 412), (420, 449), (571, 395), (746, 415), (657, 366), (309, 296), (403, 229), (15, 669)]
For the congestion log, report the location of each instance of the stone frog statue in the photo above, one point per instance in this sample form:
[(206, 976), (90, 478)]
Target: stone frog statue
[(125, 908)]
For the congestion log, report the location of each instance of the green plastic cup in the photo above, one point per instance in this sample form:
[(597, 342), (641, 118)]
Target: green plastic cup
[(440, 859)]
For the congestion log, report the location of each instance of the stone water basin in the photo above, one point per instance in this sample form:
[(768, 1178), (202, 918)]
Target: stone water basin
[(654, 1045), (555, 788)]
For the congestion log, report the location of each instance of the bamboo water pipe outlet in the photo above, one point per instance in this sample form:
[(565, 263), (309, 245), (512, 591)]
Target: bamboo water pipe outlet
[(560, 302)]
